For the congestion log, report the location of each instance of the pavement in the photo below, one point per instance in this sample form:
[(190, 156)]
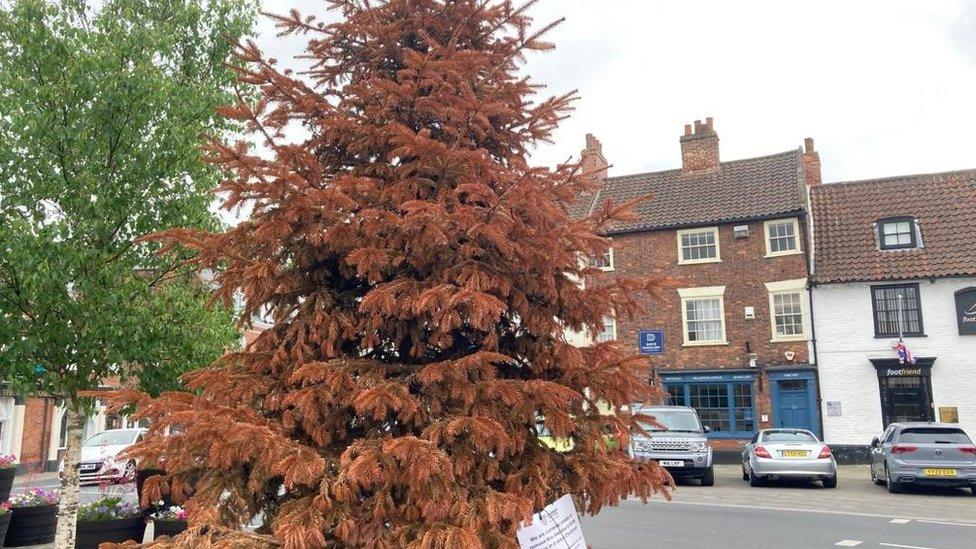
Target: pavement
[(734, 515)]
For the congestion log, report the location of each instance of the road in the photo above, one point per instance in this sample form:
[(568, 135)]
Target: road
[(734, 515), (676, 525)]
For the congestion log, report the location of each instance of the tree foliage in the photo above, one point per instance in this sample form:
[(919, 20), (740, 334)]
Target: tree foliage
[(101, 114), (421, 276)]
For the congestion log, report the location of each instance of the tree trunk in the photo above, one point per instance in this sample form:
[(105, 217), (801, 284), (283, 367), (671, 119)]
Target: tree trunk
[(68, 507)]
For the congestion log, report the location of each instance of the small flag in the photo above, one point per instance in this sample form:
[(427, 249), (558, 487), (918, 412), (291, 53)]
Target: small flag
[(904, 355)]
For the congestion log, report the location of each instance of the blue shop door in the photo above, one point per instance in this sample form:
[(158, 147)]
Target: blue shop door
[(793, 405)]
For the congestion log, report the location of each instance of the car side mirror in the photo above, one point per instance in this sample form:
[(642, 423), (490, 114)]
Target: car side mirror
[(708, 429), (875, 442)]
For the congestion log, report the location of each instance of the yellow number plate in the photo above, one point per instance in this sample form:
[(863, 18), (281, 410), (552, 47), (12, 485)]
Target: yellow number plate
[(940, 472), (795, 453)]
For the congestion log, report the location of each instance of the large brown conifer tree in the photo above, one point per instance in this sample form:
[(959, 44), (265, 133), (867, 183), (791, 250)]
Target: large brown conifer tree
[(421, 275)]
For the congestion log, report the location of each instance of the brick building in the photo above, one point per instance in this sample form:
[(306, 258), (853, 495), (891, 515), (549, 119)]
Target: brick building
[(731, 336)]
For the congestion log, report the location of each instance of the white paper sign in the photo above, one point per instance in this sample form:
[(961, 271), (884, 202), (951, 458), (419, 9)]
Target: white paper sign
[(834, 408), (557, 526)]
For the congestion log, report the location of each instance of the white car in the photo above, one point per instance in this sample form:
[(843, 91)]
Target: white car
[(100, 462)]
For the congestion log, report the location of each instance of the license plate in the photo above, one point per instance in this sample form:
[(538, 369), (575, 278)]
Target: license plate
[(88, 467), (795, 453), (667, 463), (940, 472)]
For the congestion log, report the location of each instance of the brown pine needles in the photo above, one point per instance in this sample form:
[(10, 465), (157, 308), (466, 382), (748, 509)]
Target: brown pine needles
[(421, 275)]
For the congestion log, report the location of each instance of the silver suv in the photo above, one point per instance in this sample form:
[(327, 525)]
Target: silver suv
[(680, 446), (939, 454)]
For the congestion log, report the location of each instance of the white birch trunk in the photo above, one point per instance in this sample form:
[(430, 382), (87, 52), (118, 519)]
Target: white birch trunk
[(68, 507)]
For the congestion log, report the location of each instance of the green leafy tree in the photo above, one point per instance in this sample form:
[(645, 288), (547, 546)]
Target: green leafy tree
[(102, 111)]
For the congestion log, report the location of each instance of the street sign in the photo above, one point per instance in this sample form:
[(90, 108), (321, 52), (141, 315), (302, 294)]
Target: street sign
[(651, 342)]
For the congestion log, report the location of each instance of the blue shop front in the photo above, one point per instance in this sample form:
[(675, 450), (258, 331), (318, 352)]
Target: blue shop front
[(734, 404)]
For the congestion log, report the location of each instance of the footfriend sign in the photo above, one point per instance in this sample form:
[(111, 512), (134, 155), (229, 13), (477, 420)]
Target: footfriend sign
[(651, 342), (557, 526)]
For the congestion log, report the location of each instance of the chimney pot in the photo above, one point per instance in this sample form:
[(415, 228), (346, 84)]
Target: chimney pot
[(808, 145), (811, 164), (592, 162), (699, 150)]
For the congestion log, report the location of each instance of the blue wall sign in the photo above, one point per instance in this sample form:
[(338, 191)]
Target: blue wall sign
[(651, 342)]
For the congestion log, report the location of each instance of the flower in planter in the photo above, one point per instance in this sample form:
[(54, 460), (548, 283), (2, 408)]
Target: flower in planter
[(107, 508), (174, 512), (35, 497), (4, 508), (7, 462)]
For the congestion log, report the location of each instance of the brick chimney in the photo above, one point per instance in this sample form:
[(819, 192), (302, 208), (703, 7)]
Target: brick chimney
[(699, 148), (811, 164), (592, 162)]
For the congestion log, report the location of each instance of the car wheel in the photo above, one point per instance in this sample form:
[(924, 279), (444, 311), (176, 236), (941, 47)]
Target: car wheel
[(754, 480), (709, 478), (973, 488), (874, 478), (745, 475), (830, 482), (893, 487)]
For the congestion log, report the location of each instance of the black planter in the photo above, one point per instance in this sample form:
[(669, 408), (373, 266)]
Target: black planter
[(7, 475), (169, 528), (31, 525), (4, 522), (90, 533), (141, 476)]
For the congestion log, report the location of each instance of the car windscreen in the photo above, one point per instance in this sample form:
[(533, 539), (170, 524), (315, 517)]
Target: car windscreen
[(933, 435), (111, 438), (788, 436), (672, 420)]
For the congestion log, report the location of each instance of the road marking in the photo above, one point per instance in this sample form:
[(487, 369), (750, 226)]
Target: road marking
[(848, 543), (948, 523), (786, 509), (904, 546), (899, 521)]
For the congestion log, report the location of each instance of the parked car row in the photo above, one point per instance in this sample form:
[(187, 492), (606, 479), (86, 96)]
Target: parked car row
[(932, 454)]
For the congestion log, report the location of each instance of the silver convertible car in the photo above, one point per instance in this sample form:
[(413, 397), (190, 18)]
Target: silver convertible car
[(939, 454), (788, 453)]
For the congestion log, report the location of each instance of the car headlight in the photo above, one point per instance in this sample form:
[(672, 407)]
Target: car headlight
[(698, 446)]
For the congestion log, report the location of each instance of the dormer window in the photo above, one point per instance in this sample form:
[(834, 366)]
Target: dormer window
[(897, 233)]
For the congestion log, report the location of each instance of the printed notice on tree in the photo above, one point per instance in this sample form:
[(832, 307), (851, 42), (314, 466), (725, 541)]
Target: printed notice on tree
[(557, 526)]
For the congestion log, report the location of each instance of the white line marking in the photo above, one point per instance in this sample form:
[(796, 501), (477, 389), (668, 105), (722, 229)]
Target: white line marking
[(899, 521), (848, 543), (904, 546), (787, 509), (948, 523)]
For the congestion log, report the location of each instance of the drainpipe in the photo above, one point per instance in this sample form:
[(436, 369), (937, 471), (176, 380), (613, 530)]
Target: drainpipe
[(808, 255)]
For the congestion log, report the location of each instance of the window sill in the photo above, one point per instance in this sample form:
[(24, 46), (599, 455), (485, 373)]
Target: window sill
[(703, 343), (789, 339), (895, 336), (699, 261), (606, 269), (782, 254)]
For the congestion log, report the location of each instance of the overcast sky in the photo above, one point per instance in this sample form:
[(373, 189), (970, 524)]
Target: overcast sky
[(884, 87)]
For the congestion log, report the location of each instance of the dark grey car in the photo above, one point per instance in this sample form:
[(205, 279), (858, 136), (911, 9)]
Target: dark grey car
[(934, 454)]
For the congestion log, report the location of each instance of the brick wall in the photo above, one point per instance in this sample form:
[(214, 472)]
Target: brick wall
[(38, 417), (743, 271)]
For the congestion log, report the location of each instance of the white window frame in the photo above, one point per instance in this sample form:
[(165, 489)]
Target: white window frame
[(696, 230), (795, 286), (613, 330), (694, 294), (796, 232), (8, 405), (609, 254)]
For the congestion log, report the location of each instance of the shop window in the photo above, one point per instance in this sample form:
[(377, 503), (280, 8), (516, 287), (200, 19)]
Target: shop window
[(726, 408), (897, 310)]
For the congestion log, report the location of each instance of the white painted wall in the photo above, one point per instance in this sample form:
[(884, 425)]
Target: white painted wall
[(845, 341)]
